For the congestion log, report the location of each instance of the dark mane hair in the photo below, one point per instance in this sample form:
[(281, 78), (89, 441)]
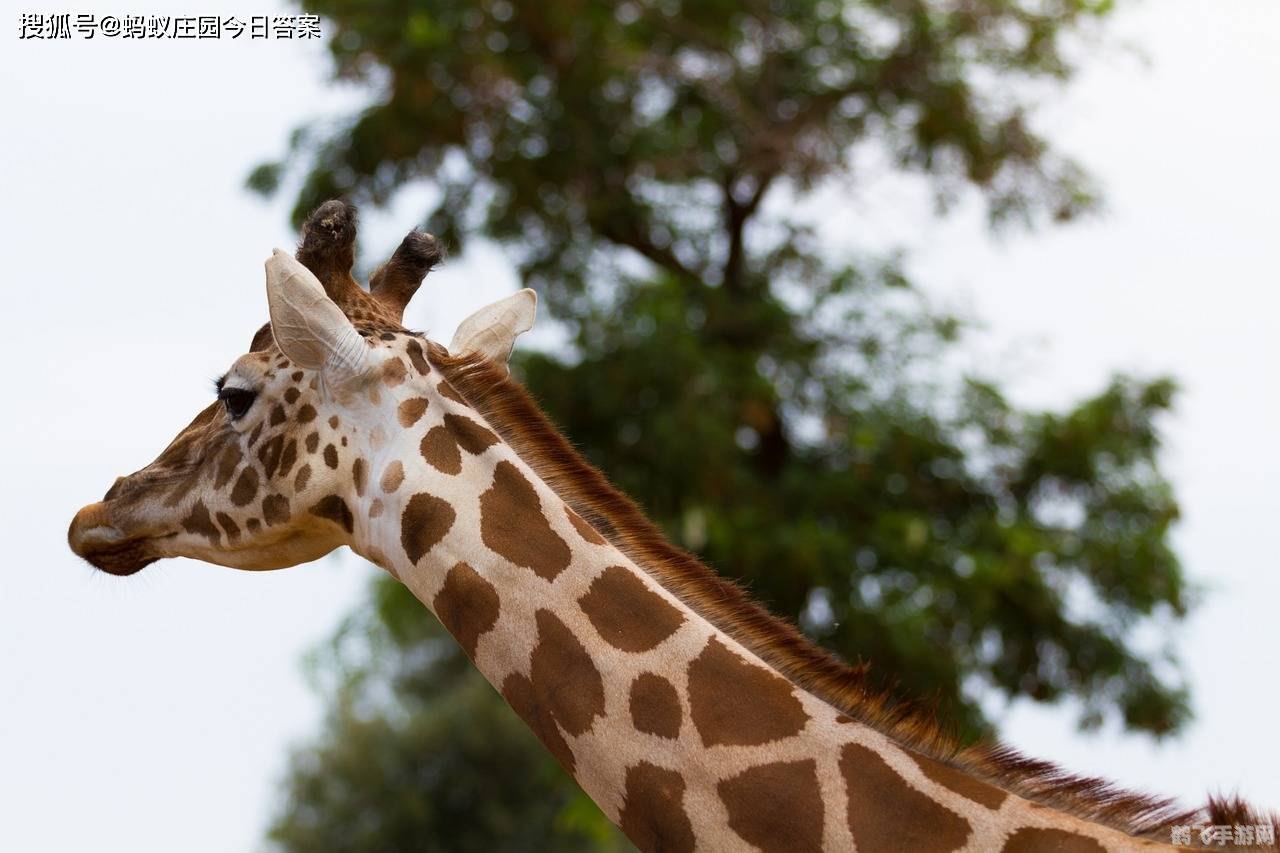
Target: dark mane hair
[(522, 424)]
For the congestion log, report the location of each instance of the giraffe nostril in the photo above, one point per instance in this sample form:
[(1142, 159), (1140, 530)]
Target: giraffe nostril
[(114, 490)]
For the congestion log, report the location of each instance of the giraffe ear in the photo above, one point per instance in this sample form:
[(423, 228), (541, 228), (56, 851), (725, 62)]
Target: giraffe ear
[(308, 327), (492, 331)]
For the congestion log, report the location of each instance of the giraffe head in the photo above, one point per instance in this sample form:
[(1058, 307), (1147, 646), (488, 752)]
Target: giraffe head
[(268, 474)]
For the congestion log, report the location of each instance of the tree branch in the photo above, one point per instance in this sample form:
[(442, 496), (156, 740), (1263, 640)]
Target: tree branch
[(624, 232), (736, 215)]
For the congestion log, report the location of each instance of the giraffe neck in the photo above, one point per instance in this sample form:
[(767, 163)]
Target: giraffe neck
[(680, 733)]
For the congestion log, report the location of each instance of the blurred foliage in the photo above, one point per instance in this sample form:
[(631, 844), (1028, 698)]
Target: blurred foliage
[(782, 410)]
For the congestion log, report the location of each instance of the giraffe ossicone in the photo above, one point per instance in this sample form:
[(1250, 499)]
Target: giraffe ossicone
[(692, 717), (308, 327)]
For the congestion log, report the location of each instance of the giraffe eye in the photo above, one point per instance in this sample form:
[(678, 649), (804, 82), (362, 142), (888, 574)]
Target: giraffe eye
[(237, 401)]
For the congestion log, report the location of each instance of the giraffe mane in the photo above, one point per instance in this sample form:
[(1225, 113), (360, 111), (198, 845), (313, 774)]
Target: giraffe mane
[(511, 411)]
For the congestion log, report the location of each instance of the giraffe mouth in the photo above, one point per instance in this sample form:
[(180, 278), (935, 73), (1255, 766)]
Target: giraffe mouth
[(92, 537)]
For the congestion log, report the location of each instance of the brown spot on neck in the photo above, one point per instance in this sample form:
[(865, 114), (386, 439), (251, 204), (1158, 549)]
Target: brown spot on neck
[(1050, 841), (410, 411), (653, 814), (655, 706), (440, 449), (563, 690), (358, 476), (471, 437), (586, 531), (626, 613), (966, 786), (517, 689), (392, 477), (738, 703), (335, 509), (564, 677), (393, 372), (414, 349), (885, 813), (513, 526), (275, 509), (449, 392), (425, 521), (777, 807), (467, 606)]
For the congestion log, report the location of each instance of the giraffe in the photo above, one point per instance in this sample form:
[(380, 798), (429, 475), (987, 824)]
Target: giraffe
[(691, 716)]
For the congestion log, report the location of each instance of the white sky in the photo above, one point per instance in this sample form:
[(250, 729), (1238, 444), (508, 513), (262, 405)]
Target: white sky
[(154, 713)]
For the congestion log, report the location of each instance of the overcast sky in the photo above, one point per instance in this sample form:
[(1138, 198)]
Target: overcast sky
[(154, 713)]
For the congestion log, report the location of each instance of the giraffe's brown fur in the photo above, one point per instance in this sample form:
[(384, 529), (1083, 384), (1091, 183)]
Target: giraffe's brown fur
[(695, 718)]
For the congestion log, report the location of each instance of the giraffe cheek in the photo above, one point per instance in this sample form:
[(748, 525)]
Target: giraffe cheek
[(199, 522), (229, 527)]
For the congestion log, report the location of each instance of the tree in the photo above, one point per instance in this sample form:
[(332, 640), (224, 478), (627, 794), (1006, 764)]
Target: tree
[(779, 408)]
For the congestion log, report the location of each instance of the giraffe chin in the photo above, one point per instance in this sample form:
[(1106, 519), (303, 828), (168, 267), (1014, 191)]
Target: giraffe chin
[(120, 562)]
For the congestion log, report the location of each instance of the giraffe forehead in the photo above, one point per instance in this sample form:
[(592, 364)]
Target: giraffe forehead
[(400, 365), (249, 370), (266, 360)]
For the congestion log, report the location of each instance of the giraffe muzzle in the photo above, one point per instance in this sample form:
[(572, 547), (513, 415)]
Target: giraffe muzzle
[(93, 537)]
